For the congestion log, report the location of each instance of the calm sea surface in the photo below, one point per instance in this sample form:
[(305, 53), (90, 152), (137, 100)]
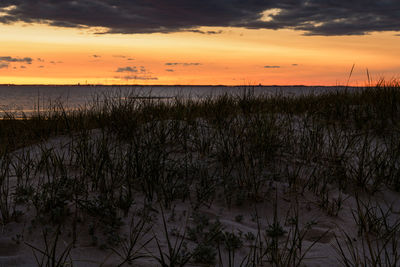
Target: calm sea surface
[(27, 99)]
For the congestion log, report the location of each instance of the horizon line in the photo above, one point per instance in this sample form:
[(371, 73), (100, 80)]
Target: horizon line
[(184, 85)]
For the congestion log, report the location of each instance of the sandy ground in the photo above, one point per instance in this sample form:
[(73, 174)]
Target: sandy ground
[(15, 236)]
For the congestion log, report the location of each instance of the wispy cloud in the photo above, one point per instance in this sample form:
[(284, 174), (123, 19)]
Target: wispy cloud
[(272, 67), (4, 65), (137, 77), (170, 70), (124, 57), (127, 69), (96, 56), (141, 73), (140, 69), (206, 32), (26, 60), (182, 64)]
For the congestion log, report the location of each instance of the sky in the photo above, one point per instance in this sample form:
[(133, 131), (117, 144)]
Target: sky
[(207, 42)]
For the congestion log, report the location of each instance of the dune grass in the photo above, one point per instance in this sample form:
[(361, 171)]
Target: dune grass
[(230, 149)]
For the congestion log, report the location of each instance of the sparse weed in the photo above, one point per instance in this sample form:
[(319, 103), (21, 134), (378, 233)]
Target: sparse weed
[(50, 256)]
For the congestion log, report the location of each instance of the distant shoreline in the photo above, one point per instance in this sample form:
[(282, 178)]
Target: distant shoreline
[(178, 85)]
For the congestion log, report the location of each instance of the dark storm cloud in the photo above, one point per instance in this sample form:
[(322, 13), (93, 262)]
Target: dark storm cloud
[(27, 60), (272, 67), (315, 17)]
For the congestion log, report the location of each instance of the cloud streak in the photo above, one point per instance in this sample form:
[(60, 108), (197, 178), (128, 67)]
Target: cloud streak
[(272, 67), (133, 69), (182, 64), (136, 77), (206, 32), (127, 69), (135, 73), (27, 60), (314, 17)]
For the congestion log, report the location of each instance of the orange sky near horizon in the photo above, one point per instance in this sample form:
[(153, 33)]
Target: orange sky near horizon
[(236, 56)]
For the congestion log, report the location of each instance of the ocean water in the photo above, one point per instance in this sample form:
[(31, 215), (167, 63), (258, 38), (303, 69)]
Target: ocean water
[(28, 99)]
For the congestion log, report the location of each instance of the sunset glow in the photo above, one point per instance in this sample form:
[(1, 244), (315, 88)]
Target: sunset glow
[(207, 55)]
